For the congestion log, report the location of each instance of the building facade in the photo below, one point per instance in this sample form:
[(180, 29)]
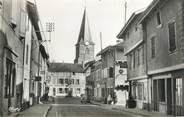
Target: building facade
[(110, 77), (65, 79), (11, 54), (163, 31), (19, 21), (90, 82), (132, 35)]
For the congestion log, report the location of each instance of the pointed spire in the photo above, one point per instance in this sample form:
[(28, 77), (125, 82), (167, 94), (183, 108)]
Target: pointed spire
[(85, 33)]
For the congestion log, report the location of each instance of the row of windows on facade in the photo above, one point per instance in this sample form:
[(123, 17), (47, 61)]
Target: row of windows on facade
[(67, 81), (171, 39), (63, 73), (138, 55), (104, 73), (66, 90)]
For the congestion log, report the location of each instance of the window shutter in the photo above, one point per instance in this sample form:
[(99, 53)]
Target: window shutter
[(23, 23), (172, 37)]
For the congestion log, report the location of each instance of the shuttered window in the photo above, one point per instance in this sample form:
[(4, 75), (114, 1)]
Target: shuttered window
[(153, 47), (172, 36)]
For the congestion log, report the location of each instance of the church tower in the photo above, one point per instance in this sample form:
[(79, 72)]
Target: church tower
[(85, 45)]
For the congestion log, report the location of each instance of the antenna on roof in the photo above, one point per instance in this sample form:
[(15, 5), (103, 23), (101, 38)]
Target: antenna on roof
[(85, 4), (125, 11), (101, 40)]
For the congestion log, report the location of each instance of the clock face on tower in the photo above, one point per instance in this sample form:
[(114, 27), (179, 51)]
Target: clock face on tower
[(86, 43)]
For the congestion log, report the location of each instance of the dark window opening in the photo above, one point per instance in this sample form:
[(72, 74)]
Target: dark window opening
[(172, 37), (158, 18), (153, 47)]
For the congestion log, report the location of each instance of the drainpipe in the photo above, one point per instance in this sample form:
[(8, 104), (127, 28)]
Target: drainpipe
[(38, 73), (23, 80)]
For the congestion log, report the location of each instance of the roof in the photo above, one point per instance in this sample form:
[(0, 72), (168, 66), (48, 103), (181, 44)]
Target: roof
[(85, 33), (33, 15), (88, 64), (118, 46), (43, 52), (65, 67), (135, 16), (149, 9)]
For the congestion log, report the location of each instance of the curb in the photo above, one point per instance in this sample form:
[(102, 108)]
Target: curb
[(112, 108), (46, 111), (12, 115), (132, 112)]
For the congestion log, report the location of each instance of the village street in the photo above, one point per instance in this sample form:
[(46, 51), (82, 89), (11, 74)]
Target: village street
[(72, 107)]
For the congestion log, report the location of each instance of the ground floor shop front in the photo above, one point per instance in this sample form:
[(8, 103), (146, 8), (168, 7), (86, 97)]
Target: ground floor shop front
[(168, 92)]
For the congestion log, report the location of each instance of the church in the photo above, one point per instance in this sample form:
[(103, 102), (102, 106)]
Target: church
[(85, 45), (69, 78)]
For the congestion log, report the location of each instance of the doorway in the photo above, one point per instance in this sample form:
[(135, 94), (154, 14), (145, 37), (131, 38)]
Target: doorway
[(155, 95), (169, 96)]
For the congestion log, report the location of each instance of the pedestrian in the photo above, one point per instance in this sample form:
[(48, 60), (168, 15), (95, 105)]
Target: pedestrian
[(115, 98), (109, 99)]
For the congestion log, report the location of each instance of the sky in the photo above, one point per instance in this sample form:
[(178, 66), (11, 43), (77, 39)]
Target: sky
[(106, 16)]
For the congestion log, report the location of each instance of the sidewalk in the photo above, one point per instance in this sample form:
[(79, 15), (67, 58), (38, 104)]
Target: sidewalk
[(39, 110), (134, 110)]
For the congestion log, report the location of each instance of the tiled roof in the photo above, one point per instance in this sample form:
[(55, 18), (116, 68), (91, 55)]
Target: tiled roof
[(65, 67)]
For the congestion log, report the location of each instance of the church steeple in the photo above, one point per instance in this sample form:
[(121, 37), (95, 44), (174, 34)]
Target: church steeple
[(85, 33), (85, 45)]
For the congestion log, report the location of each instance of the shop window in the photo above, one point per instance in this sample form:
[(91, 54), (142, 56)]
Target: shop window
[(140, 87), (179, 91), (134, 91), (161, 91)]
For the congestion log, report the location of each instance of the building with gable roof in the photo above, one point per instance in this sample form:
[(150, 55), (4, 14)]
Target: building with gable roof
[(66, 78)]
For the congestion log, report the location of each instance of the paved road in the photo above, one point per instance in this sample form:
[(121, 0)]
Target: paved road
[(71, 107)]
